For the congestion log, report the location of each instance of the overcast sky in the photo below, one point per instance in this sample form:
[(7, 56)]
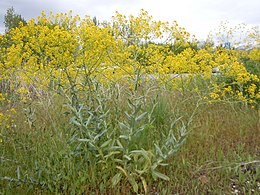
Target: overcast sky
[(197, 16)]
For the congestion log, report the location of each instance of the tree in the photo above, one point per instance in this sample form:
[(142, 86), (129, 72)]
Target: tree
[(12, 19), (96, 22)]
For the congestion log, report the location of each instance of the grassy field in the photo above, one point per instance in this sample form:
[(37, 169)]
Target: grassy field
[(105, 144), (128, 106)]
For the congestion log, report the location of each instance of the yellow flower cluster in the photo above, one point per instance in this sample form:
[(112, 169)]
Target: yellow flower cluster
[(67, 50), (254, 54)]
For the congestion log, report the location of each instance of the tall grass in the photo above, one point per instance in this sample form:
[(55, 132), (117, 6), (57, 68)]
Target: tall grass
[(118, 141)]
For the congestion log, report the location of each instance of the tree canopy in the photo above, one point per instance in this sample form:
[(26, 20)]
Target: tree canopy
[(12, 19)]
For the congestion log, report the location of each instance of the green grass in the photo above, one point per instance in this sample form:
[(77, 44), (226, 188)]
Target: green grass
[(41, 152), (221, 141)]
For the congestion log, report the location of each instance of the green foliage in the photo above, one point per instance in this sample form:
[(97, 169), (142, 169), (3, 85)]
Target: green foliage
[(253, 66), (123, 147), (12, 19)]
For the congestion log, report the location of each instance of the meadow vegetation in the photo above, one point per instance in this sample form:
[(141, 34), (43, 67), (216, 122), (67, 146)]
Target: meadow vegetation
[(127, 106)]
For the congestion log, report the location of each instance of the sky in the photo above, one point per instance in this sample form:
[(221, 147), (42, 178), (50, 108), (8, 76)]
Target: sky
[(198, 17)]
